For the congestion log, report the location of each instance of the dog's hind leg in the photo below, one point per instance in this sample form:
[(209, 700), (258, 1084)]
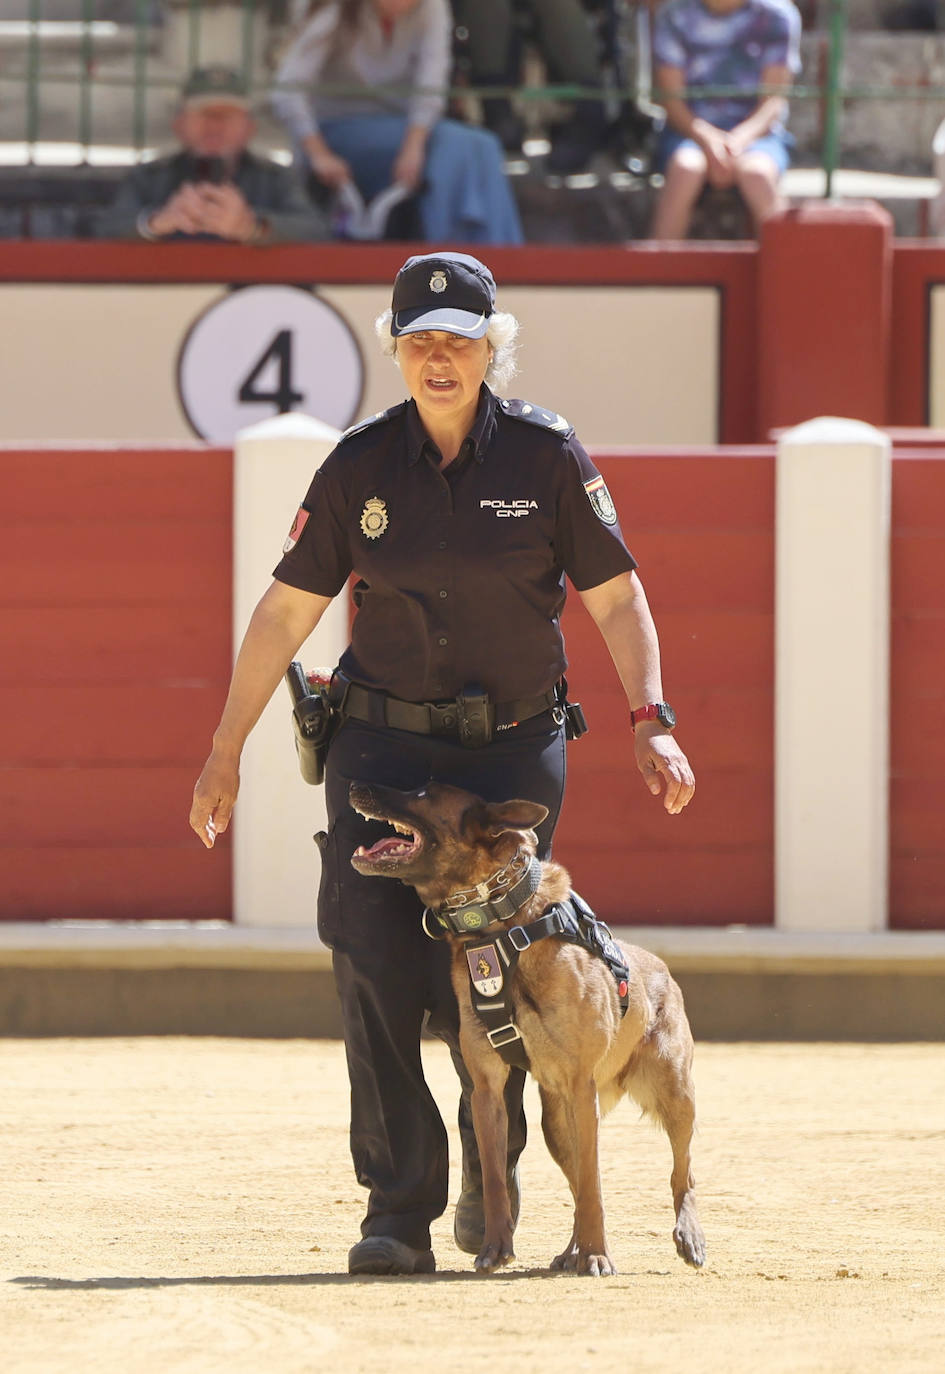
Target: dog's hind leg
[(661, 1083), (570, 1122)]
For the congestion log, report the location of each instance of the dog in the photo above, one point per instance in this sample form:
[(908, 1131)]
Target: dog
[(470, 862)]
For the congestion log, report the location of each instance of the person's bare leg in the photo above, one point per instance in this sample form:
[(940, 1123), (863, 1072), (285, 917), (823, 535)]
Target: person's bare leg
[(684, 179), (757, 177)]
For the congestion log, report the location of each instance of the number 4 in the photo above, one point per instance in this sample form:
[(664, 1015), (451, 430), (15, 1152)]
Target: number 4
[(282, 397)]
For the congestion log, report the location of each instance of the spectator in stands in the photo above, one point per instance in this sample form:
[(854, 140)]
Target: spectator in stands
[(569, 47), (361, 91), (213, 187), (723, 140)]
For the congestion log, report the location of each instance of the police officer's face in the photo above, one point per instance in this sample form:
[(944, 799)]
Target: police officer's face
[(443, 371)]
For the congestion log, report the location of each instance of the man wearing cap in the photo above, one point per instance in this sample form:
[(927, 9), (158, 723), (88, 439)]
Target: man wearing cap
[(460, 515), (214, 187)]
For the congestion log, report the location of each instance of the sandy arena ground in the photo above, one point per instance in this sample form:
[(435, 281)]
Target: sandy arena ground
[(187, 1205)]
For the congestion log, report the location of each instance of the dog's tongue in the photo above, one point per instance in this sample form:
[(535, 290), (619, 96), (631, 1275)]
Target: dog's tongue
[(390, 844)]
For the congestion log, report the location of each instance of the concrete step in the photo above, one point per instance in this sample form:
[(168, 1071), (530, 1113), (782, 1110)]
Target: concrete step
[(740, 983)]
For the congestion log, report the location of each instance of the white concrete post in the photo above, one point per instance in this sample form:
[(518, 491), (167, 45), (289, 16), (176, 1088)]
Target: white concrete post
[(275, 863), (832, 677)]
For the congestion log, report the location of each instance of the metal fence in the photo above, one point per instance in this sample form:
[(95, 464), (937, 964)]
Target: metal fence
[(87, 80)]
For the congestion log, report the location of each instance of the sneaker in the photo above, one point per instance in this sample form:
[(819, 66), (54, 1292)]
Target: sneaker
[(385, 1255), (469, 1222)]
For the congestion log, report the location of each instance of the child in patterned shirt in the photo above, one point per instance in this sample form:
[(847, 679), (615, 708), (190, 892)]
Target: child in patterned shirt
[(723, 140)]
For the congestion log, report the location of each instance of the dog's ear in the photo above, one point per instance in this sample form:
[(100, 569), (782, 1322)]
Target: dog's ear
[(496, 818)]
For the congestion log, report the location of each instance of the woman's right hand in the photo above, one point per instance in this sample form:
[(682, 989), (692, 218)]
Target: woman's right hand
[(331, 170), (214, 797)]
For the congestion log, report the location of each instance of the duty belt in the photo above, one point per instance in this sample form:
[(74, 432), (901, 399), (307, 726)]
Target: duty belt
[(472, 717)]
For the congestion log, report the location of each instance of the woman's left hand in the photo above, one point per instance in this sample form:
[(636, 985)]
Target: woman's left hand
[(409, 163), (665, 767)]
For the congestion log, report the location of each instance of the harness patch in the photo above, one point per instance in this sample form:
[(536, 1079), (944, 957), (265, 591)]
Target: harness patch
[(485, 972), (601, 501)]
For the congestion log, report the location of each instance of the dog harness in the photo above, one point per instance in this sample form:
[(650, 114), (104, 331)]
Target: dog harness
[(492, 964)]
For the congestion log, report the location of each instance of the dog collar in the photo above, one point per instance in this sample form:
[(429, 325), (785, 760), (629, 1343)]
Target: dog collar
[(497, 898)]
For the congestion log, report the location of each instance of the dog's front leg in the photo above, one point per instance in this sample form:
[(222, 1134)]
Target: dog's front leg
[(571, 1123), (491, 1124)]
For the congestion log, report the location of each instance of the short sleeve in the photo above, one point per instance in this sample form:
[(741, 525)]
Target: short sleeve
[(669, 50), (783, 48), (317, 552), (588, 540)]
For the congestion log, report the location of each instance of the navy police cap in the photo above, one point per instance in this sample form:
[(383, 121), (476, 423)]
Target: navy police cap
[(448, 291)]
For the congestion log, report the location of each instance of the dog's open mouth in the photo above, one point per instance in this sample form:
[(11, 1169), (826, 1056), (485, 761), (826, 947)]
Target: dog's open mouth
[(406, 844)]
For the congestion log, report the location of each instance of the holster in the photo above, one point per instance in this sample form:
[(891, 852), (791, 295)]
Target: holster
[(474, 716), (570, 712), (313, 720)]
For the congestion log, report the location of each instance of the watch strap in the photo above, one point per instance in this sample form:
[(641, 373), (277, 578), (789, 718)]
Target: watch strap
[(653, 710)]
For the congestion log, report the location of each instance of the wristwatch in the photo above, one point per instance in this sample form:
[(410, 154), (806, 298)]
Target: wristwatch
[(654, 710)]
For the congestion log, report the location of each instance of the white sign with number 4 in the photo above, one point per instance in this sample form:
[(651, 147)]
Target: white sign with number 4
[(265, 350)]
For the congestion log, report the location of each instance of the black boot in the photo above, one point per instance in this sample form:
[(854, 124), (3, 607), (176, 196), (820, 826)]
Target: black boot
[(575, 142), (499, 117)]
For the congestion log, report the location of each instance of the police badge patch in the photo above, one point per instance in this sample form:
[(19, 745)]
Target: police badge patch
[(484, 970), (374, 518), (438, 282), (601, 500)]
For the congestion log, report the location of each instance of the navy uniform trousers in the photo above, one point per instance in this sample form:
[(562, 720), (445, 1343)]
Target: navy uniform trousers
[(390, 976)]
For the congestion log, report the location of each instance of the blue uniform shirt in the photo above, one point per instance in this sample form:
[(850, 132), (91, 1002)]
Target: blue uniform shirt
[(461, 572)]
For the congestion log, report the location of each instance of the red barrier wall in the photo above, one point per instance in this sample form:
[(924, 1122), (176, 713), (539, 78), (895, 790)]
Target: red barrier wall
[(701, 526), (829, 315), (115, 611), (917, 689), (116, 573)]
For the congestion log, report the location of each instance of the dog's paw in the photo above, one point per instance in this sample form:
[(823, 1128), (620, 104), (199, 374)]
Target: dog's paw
[(574, 1260), (690, 1244), (494, 1254)]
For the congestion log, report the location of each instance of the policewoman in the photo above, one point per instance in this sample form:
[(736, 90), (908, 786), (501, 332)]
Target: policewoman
[(459, 515)]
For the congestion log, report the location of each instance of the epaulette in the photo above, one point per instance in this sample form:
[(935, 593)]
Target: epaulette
[(537, 415), (377, 419)]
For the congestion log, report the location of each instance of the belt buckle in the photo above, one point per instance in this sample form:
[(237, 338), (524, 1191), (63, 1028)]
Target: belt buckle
[(443, 718)]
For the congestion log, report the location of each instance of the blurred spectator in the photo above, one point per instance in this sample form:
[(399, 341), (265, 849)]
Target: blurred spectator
[(569, 47), (723, 140), (361, 91), (912, 16), (214, 187)]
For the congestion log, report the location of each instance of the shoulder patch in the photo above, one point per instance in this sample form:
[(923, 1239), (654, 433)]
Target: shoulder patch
[(377, 419), (537, 415)]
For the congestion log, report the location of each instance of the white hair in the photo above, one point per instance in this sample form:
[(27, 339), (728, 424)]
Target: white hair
[(501, 337)]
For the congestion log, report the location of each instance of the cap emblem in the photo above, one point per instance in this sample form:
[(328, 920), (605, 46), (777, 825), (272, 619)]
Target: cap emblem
[(438, 282), (374, 518)]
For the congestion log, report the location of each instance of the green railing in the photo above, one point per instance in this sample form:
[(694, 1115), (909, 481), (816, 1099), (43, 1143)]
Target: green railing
[(143, 75)]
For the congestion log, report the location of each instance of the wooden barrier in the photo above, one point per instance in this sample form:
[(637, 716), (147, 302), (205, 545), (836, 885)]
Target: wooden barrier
[(701, 526), (116, 566), (115, 614), (917, 691)]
